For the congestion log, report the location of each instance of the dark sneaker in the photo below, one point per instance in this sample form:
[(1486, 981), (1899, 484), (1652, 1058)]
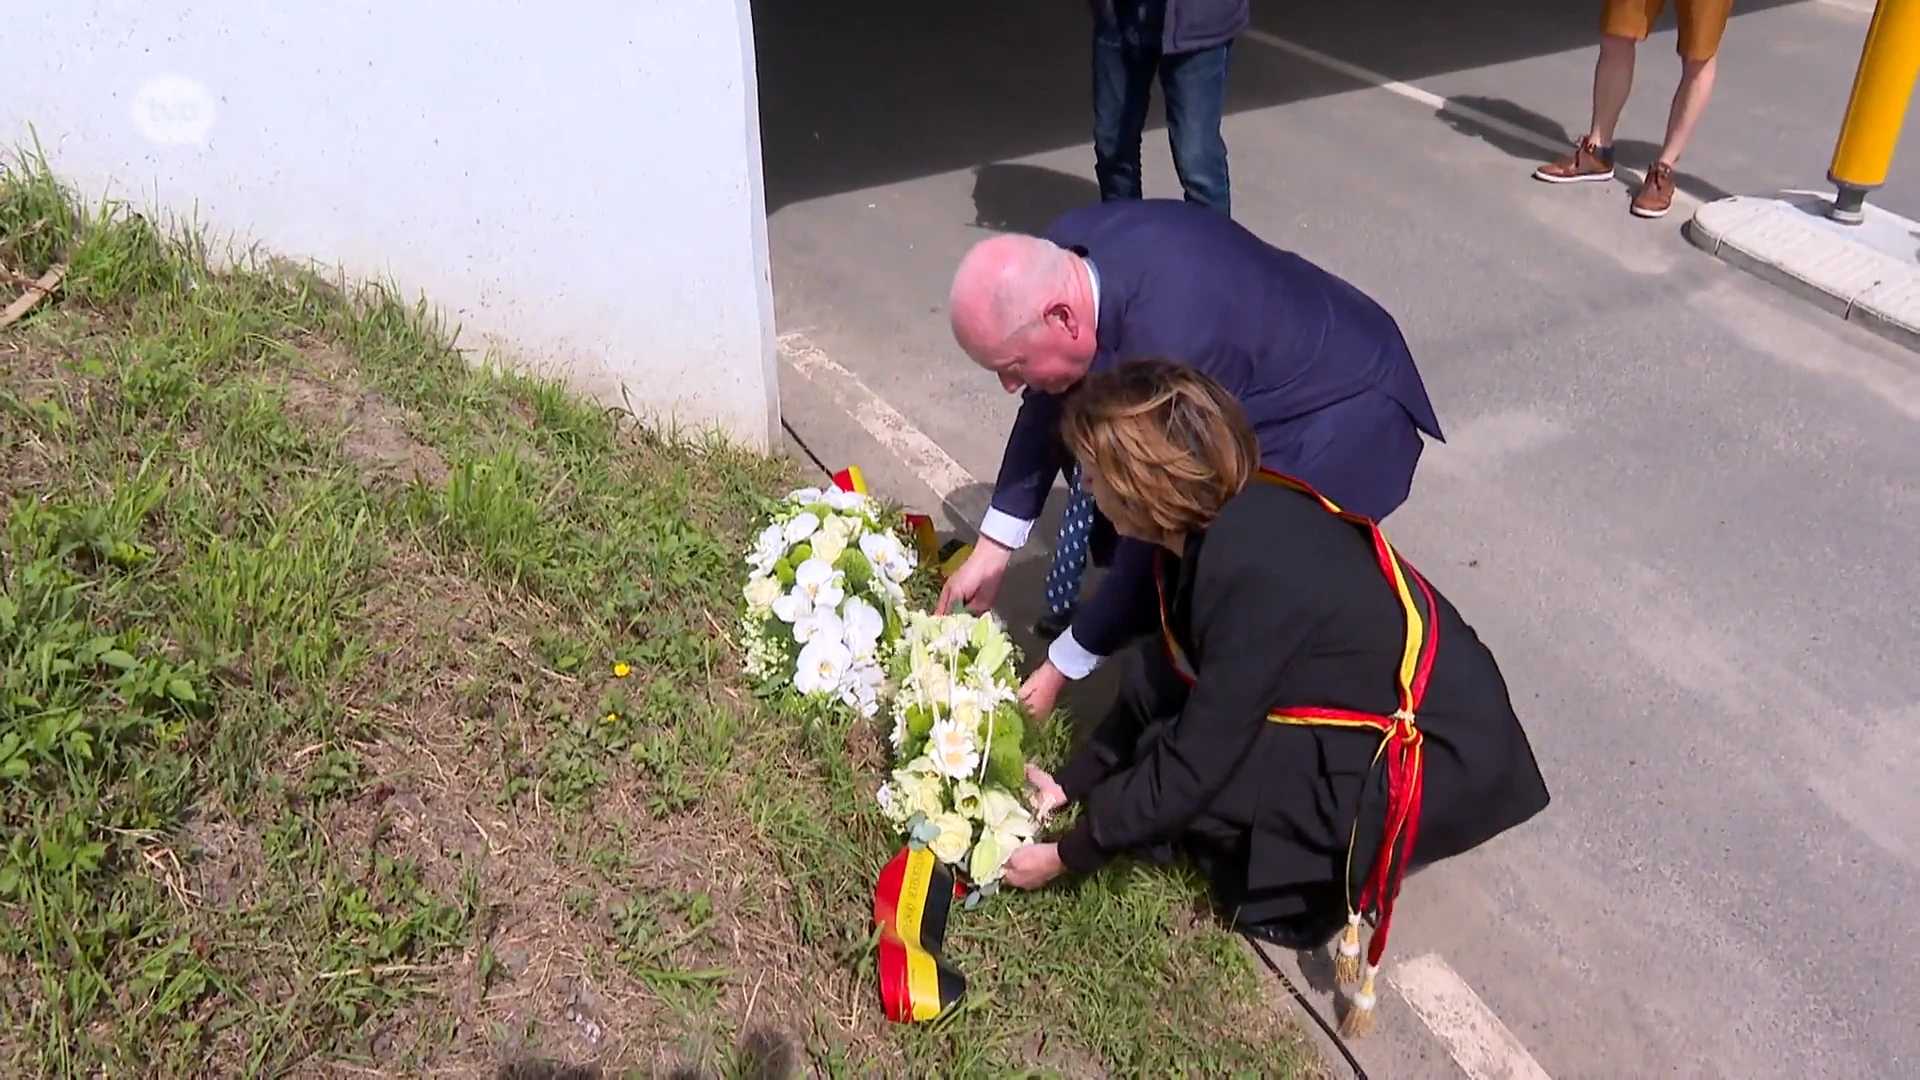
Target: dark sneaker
[(1589, 161), (1053, 624), (1655, 196)]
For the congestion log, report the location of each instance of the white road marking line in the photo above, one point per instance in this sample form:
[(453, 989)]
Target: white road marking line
[(1479, 1043), (934, 466), (1434, 101)]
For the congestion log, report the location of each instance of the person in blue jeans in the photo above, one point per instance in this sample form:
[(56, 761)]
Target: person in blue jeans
[(1186, 43)]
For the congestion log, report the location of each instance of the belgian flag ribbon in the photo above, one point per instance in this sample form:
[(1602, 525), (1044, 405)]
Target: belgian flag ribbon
[(910, 905), (925, 541)]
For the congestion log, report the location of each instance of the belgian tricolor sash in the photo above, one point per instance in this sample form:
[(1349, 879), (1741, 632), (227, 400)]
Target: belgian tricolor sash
[(915, 891), (910, 906), (1400, 750)]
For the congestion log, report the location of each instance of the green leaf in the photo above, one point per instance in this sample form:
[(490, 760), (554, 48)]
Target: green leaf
[(119, 658), (181, 690)]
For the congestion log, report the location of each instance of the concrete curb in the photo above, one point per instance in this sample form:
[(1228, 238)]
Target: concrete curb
[(1866, 274)]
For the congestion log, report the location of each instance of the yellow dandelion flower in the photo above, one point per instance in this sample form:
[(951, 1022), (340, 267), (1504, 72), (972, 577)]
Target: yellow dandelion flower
[(611, 717), (621, 670)]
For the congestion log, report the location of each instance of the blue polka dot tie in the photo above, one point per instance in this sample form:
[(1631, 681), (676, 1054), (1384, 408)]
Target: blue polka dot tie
[(1070, 550)]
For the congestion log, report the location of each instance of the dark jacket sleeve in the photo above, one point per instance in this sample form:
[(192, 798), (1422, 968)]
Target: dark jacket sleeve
[(1246, 642), (1124, 606), (1034, 456)]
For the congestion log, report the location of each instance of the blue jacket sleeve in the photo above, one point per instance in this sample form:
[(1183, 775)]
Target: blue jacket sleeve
[(1034, 456), (1124, 606)]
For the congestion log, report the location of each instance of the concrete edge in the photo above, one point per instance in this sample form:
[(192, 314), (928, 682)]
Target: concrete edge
[(1716, 228)]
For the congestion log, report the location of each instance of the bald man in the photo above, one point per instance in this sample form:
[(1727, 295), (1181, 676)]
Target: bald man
[(1321, 369)]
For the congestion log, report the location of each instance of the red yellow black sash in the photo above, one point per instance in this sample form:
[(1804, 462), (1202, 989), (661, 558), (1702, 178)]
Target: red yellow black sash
[(916, 891), (910, 906), (1401, 745)]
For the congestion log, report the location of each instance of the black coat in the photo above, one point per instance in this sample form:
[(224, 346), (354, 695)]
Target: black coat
[(1281, 604)]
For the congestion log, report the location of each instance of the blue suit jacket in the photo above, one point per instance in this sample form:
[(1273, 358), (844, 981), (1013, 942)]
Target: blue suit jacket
[(1294, 344)]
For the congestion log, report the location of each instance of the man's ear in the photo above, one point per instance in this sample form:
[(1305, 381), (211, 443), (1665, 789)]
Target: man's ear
[(1062, 314)]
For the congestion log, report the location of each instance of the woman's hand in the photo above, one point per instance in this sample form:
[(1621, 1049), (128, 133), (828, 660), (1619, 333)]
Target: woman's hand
[(1047, 794), (1033, 866)]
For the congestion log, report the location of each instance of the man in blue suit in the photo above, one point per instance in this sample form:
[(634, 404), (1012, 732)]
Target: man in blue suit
[(1322, 371)]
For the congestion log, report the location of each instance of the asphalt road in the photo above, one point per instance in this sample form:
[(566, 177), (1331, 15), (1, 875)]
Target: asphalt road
[(1679, 504)]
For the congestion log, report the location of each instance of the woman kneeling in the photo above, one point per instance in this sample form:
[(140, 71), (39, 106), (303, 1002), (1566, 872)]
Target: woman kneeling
[(1314, 719)]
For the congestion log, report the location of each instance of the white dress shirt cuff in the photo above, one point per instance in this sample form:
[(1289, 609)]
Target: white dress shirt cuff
[(1005, 529), (1070, 658)]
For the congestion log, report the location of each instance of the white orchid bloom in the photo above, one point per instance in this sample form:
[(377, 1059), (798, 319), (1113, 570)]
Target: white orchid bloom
[(822, 666), (794, 606), (863, 626), (887, 556), (846, 501), (799, 527), (820, 582), (820, 623)]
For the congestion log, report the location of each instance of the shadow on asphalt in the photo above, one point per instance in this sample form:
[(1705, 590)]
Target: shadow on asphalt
[(1633, 153), (861, 93)]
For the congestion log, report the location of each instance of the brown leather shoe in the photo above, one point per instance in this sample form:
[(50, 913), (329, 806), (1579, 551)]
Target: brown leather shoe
[(1589, 161), (1655, 196)]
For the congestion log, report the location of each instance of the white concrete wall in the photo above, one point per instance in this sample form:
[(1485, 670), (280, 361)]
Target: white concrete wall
[(576, 183)]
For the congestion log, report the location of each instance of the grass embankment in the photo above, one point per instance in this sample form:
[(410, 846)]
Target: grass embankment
[(315, 761)]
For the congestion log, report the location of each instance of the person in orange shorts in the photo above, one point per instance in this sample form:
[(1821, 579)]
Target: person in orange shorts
[(1624, 24)]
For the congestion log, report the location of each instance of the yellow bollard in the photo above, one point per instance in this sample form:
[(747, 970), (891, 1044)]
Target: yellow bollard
[(1889, 64)]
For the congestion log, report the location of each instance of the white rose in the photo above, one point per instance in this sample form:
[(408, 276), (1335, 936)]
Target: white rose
[(966, 710), (762, 592), (828, 546), (956, 836), (921, 793), (933, 683)]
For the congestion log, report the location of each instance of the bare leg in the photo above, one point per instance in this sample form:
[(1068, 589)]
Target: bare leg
[(1612, 82), (1689, 102)]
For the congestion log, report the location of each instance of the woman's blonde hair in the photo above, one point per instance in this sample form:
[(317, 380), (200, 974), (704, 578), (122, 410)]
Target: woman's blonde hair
[(1171, 444)]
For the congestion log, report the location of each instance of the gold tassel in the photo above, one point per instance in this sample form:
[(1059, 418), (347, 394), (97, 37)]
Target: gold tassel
[(1358, 1023), (1346, 960)]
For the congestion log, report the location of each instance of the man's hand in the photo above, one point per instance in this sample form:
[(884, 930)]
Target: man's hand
[(1042, 690), (976, 585), (1033, 866), (1047, 794)]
